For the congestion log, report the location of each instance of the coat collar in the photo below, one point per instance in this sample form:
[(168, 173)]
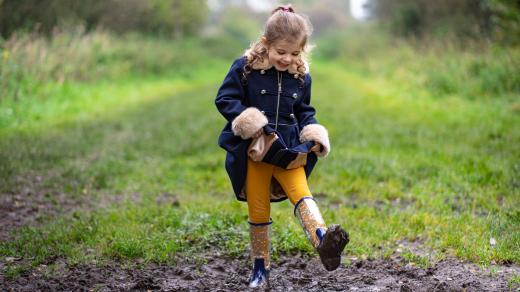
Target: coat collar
[(265, 65)]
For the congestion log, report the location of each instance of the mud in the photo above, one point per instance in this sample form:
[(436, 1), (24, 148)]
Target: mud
[(32, 203), (288, 273)]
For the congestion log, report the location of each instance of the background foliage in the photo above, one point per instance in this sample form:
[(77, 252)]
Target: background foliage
[(168, 17), (497, 19)]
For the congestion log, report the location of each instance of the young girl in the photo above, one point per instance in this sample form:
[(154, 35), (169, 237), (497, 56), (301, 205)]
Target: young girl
[(267, 93)]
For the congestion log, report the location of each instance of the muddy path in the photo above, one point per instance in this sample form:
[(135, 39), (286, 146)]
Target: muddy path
[(31, 203), (288, 273), (25, 206)]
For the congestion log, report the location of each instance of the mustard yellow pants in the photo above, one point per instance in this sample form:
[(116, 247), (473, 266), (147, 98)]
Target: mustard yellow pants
[(258, 180)]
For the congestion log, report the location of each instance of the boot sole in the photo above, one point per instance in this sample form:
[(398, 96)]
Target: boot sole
[(332, 246), (263, 284)]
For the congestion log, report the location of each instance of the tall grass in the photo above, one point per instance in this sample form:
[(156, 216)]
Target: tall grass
[(471, 69), (475, 70), (30, 62)]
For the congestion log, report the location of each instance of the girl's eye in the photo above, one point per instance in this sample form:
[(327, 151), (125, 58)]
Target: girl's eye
[(296, 54), (280, 52)]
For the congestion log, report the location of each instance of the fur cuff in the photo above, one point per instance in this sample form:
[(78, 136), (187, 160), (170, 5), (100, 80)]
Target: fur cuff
[(318, 134), (248, 123)]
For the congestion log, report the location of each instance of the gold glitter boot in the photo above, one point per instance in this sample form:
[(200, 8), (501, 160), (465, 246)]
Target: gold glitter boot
[(260, 254), (329, 242)]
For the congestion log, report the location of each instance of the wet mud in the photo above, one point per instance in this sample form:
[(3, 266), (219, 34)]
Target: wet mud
[(288, 273), (32, 203), (213, 272)]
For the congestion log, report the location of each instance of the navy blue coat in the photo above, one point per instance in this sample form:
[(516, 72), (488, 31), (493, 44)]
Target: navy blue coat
[(260, 91)]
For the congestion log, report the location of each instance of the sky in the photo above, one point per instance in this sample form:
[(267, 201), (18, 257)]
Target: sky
[(262, 5), (357, 10), (257, 5)]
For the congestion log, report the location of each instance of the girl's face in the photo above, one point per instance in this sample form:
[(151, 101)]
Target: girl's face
[(283, 54)]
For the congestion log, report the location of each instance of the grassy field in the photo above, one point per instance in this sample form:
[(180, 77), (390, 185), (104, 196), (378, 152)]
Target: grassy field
[(408, 164)]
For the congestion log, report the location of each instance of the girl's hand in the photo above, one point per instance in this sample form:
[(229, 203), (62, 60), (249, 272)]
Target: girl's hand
[(317, 148), (258, 133)]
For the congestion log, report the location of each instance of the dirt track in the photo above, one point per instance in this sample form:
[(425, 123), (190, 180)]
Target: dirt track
[(295, 273), (31, 202), (288, 273)]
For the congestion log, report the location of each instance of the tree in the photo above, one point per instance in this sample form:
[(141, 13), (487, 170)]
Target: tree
[(464, 18), (177, 17), (506, 18), (167, 17)]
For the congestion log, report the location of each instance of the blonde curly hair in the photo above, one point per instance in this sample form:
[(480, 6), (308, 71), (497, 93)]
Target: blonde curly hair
[(283, 24)]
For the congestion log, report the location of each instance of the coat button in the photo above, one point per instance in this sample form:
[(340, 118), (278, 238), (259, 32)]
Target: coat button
[(295, 76), (262, 72), (295, 95), (292, 116), (263, 91)]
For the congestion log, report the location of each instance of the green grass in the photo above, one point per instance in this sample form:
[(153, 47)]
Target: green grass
[(514, 282), (473, 70), (405, 164), (421, 261)]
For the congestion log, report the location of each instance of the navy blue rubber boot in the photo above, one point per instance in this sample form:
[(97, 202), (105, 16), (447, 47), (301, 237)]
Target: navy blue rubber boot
[(332, 242), (260, 254), (328, 242), (260, 275)]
